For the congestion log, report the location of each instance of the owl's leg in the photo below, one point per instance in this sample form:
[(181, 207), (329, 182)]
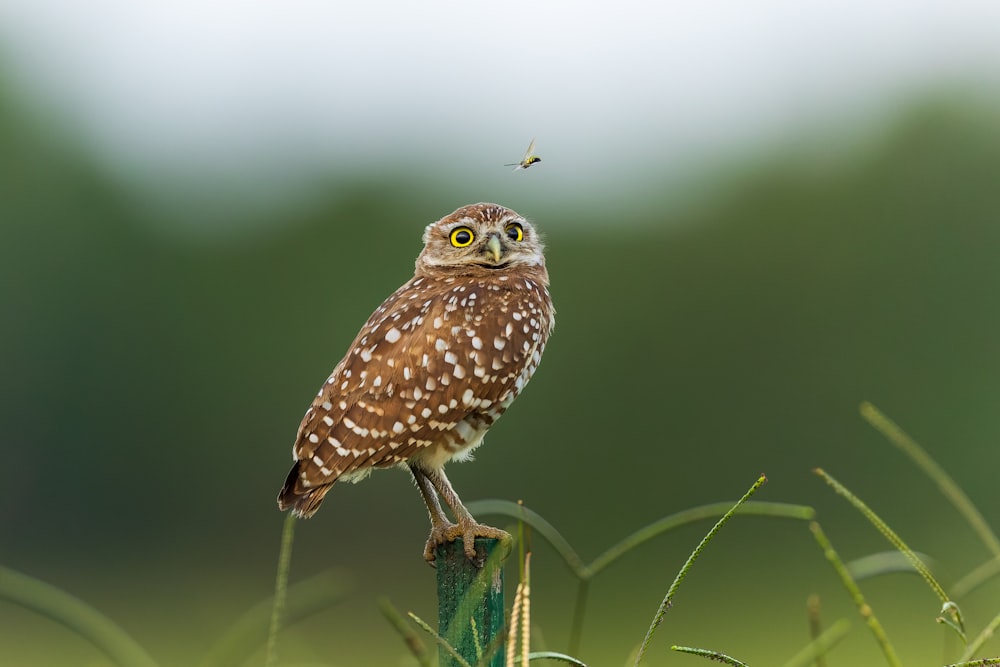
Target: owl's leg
[(467, 527), (439, 522)]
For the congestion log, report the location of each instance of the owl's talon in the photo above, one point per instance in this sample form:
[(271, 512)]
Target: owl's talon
[(439, 535), (444, 533), (469, 533)]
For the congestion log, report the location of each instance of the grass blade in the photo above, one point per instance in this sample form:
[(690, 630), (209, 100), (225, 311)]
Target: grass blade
[(552, 655), (981, 639), (976, 578), (538, 523), (579, 612), (952, 491), (954, 614), (646, 533), (280, 590), (441, 641), (859, 600), (476, 643), (884, 562), (585, 573), (304, 599), (410, 638), (515, 623), (815, 625), (783, 510), (976, 663), (814, 651), (73, 613), (526, 610), (668, 599), (711, 655)]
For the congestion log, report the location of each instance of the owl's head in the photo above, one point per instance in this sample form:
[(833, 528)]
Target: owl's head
[(481, 239)]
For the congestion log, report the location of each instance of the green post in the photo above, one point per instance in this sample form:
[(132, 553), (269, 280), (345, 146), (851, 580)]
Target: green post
[(470, 602)]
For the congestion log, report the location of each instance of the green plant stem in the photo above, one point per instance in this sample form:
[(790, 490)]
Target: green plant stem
[(304, 599), (585, 573), (885, 562), (815, 650), (643, 535), (952, 491), (280, 590), (579, 613), (668, 598), (73, 613), (537, 523), (981, 639), (441, 641), (515, 623), (976, 578), (711, 655), (859, 599), (526, 610), (639, 537), (896, 541), (815, 626), (410, 638), (552, 655)]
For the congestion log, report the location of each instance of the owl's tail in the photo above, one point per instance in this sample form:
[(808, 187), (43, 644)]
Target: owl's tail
[(302, 501)]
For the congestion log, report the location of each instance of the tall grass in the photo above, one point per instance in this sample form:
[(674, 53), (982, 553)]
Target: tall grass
[(261, 626)]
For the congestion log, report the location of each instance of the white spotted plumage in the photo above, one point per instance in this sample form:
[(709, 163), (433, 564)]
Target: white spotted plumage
[(433, 367)]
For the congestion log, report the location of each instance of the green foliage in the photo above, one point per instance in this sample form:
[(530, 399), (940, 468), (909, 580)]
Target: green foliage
[(668, 599), (237, 644), (949, 607), (253, 629), (154, 359), (711, 655), (815, 651), (870, 566), (73, 614), (945, 483), (410, 638), (584, 572), (233, 647), (864, 610), (280, 590)]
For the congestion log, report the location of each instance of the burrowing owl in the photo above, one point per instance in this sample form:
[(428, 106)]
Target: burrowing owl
[(432, 369)]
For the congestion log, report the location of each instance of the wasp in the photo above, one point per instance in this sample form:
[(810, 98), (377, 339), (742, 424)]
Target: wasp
[(529, 158)]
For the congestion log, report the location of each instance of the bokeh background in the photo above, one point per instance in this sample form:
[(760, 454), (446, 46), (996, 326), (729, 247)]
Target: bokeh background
[(757, 217)]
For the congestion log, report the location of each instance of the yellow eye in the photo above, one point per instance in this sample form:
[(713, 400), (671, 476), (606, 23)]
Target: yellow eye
[(514, 232), (462, 237)]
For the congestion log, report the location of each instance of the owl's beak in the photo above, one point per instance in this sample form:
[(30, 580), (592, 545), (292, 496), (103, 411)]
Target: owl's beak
[(493, 248)]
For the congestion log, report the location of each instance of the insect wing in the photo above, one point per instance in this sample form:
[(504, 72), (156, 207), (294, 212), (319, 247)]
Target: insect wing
[(528, 154)]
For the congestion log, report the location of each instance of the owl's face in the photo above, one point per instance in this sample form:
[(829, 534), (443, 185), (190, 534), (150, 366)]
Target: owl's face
[(480, 239)]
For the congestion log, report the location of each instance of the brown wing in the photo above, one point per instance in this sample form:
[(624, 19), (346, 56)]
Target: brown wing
[(435, 365)]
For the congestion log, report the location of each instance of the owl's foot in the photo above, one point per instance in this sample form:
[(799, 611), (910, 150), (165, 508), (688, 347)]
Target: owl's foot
[(442, 533)]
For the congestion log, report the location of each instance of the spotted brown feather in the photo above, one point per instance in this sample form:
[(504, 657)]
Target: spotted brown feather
[(433, 367)]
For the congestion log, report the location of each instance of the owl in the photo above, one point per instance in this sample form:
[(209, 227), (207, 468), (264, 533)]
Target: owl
[(432, 369)]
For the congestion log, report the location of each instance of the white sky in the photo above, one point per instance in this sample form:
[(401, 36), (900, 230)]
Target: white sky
[(610, 89)]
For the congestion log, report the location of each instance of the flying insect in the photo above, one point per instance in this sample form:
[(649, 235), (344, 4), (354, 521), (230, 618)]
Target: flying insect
[(528, 160)]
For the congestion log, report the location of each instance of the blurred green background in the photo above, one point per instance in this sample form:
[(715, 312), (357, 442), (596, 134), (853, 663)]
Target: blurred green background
[(159, 344)]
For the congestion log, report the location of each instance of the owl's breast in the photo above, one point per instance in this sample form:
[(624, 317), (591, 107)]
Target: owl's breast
[(493, 331), (432, 370)]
